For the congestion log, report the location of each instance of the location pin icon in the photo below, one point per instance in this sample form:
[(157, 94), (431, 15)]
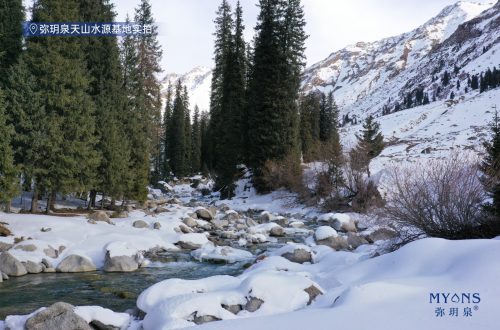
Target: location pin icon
[(33, 28)]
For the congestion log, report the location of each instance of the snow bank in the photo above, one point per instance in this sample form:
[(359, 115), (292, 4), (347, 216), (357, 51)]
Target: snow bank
[(118, 248), (230, 255), (106, 316), (324, 232)]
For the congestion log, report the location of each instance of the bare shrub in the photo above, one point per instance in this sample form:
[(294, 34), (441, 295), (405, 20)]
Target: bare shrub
[(438, 198), (284, 174)]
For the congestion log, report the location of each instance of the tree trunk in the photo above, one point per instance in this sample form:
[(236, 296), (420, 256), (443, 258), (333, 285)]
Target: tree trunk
[(52, 200), (102, 201), (8, 206), (47, 210), (34, 201), (93, 194)]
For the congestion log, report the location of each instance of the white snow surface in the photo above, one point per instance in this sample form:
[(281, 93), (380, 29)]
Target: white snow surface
[(91, 241), (231, 255), (359, 292), (324, 232), (104, 315)]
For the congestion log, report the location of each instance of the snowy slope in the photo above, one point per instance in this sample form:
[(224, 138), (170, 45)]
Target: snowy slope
[(198, 82), (358, 70)]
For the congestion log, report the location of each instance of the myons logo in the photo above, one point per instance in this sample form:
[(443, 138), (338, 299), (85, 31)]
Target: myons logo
[(464, 298)]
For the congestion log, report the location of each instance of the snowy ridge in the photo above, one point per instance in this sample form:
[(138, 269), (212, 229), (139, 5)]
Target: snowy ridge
[(198, 82), (359, 70)]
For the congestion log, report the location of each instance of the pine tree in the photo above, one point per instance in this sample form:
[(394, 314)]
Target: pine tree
[(136, 128), (274, 82), (328, 118), (167, 135), (62, 73), (307, 142), (231, 138), (372, 136), (11, 40), (458, 84), (446, 78), (178, 134), (452, 95), (103, 61), (491, 166), (27, 116), (206, 139), (187, 132), (149, 56), (224, 25), (9, 172), (315, 115), (196, 141)]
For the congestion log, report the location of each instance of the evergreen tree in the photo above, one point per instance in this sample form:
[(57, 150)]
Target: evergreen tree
[(372, 136), (224, 25), (275, 81), (9, 172), (409, 101), (452, 95), (446, 78), (149, 56), (167, 135), (482, 84), (206, 139), (307, 142), (187, 132), (458, 84), (27, 115), (314, 115), (103, 62), (474, 82), (426, 99), (178, 141), (62, 74), (136, 128), (11, 39), (328, 118), (491, 166), (196, 141), (231, 138)]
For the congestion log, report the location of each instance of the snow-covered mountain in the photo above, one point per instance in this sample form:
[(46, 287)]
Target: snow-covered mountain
[(358, 70), (198, 82)]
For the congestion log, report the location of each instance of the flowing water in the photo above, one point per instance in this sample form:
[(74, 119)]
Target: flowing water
[(116, 291)]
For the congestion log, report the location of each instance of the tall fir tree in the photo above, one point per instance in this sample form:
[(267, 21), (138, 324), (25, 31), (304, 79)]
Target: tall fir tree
[(167, 135), (224, 25), (103, 61), (329, 120), (187, 132), (149, 55), (306, 140), (231, 138), (491, 166), (178, 140), (9, 172), (12, 15), (26, 113), (372, 136), (274, 83), (136, 127), (196, 142), (61, 69)]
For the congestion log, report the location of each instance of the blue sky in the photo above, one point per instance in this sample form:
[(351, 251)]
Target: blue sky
[(332, 25)]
